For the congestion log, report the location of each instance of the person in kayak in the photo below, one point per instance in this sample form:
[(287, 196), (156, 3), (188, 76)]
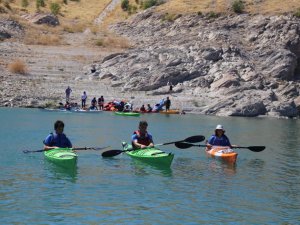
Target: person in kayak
[(149, 108), (143, 109), (59, 139), (141, 138), (219, 138)]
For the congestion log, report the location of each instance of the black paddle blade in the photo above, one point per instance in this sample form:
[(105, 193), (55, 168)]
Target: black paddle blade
[(111, 153), (183, 145), (256, 148), (195, 139)]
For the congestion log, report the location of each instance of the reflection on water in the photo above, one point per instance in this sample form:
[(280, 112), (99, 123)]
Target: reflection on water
[(61, 173), (141, 168), (261, 188), (222, 167), (256, 164)]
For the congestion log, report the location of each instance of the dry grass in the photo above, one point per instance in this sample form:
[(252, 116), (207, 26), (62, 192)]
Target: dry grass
[(74, 27), (88, 10), (85, 10), (113, 42), (224, 6), (42, 35), (117, 15), (17, 66)]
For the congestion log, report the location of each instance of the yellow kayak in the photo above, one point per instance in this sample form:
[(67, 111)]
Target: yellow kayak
[(171, 111)]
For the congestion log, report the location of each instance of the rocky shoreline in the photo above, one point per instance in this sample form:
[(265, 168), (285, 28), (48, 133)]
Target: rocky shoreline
[(237, 65)]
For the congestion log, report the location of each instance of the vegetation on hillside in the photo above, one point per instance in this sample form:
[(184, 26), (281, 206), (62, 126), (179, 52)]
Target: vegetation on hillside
[(17, 66), (86, 11), (78, 15)]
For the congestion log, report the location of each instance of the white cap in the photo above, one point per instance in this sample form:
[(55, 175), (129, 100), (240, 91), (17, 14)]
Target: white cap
[(219, 127)]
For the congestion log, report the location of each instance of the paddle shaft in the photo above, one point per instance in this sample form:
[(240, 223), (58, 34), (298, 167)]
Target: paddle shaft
[(251, 148), (192, 139), (75, 149)]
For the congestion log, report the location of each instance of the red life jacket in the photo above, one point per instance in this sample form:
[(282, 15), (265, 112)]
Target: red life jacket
[(143, 140)]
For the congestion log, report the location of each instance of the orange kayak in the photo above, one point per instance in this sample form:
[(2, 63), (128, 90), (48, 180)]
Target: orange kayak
[(222, 152)]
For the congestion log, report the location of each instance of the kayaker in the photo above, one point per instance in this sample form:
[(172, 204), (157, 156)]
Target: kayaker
[(93, 102), (143, 109), (141, 138), (59, 139), (219, 138), (149, 108)]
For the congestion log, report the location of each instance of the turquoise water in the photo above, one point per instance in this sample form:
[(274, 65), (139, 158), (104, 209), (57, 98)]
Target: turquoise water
[(263, 188)]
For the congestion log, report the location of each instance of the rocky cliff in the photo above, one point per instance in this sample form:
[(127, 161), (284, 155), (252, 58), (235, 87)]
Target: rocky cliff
[(237, 65)]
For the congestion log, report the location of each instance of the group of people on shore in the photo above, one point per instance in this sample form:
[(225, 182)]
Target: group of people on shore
[(121, 106), (140, 139), (96, 104)]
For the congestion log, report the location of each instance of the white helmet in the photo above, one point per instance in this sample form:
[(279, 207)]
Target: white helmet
[(219, 127)]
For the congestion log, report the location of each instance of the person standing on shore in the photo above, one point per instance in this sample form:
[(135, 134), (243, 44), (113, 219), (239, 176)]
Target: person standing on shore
[(83, 100), (101, 102), (68, 92), (168, 104), (57, 140)]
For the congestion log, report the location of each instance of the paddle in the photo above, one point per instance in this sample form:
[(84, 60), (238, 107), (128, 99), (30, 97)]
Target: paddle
[(187, 145), (76, 149), (192, 139), (111, 153)]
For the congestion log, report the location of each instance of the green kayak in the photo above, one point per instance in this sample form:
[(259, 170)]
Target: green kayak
[(149, 155), (127, 113), (64, 157)]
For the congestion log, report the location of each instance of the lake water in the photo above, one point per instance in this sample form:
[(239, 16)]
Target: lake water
[(262, 188)]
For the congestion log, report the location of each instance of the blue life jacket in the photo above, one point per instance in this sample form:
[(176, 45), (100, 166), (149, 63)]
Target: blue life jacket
[(59, 140), (219, 141)]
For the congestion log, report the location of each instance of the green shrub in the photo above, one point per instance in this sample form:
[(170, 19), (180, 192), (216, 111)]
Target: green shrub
[(238, 6), (297, 13), (40, 3), (149, 3), (25, 3), (55, 8), (170, 17), (100, 43), (132, 9), (212, 15), (125, 5)]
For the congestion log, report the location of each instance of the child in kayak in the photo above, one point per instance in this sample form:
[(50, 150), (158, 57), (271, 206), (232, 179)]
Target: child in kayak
[(141, 138), (59, 139), (219, 138)]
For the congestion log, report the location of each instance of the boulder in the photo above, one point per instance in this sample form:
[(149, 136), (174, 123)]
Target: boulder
[(48, 19)]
